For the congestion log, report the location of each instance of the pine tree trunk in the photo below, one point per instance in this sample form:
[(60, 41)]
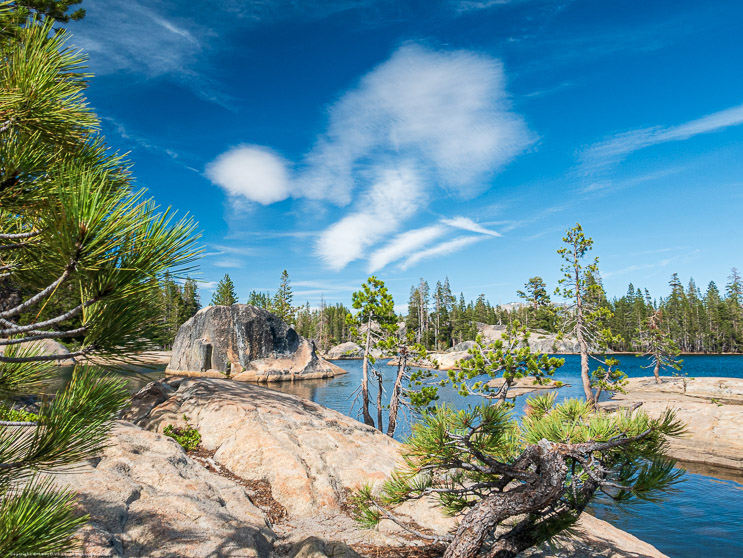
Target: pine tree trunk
[(480, 522), (395, 398), (656, 371), (582, 342), (380, 426), (365, 379)]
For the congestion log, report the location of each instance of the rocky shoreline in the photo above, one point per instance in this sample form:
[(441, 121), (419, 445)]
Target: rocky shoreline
[(712, 409), (270, 481)]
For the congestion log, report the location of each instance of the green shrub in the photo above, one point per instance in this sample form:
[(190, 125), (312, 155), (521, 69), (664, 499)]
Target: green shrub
[(17, 415), (187, 436)]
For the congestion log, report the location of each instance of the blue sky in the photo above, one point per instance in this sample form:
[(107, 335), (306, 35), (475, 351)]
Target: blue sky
[(458, 138)]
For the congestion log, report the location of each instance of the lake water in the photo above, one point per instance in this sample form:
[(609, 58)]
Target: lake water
[(703, 517)]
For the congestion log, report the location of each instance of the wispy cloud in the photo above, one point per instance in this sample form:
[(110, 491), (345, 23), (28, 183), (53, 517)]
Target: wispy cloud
[(467, 224), (442, 249), (606, 154), (230, 263), (223, 249), (393, 199), (144, 41), (422, 121), (606, 184), (402, 245), (463, 6)]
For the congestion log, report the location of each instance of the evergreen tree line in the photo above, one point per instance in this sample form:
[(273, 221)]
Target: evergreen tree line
[(696, 321), (175, 304)]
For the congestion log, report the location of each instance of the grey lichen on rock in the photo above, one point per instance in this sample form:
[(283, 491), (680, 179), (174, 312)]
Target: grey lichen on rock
[(245, 343)]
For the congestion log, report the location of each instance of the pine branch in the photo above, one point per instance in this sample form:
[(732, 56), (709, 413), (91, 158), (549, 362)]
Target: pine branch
[(39, 335), (39, 296)]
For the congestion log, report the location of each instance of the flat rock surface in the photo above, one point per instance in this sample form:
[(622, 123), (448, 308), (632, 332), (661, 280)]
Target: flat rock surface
[(595, 538), (712, 409), (146, 497), (310, 455)]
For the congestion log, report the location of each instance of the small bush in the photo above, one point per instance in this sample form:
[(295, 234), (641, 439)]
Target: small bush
[(17, 415), (188, 437)]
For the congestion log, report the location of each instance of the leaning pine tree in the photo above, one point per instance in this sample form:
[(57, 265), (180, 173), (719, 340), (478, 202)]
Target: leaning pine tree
[(516, 483), (70, 223)]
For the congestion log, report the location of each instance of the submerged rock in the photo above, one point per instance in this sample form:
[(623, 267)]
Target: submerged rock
[(245, 343)]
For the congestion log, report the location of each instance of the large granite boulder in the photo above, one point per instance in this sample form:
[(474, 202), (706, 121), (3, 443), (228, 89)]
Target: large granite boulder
[(345, 350), (350, 350), (245, 343)]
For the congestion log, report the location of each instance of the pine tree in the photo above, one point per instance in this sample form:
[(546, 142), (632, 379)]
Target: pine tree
[(191, 300), (75, 240), (658, 346), (225, 294), (540, 305), (261, 300), (282, 300), (588, 312), (554, 461), (374, 318)]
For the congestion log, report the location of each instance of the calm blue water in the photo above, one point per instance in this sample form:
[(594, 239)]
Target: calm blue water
[(704, 516)]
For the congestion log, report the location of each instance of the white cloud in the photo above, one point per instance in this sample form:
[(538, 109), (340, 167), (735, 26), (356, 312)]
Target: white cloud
[(138, 39), (402, 245), (392, 199), (467, 224), (447, 110), (605, 154), (439, 120), (253, 172), (231, 263), (442, 249)]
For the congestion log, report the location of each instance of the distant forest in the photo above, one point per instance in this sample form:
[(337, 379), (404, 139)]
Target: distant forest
[(698, 322), (709, 321)]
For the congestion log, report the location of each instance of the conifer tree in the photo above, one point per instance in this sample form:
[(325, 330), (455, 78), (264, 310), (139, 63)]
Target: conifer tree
[(261, 300), (658, 346), (374, 318), (586, 315), (514, 484), (282, 300), (224, 295), (77, 241)]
